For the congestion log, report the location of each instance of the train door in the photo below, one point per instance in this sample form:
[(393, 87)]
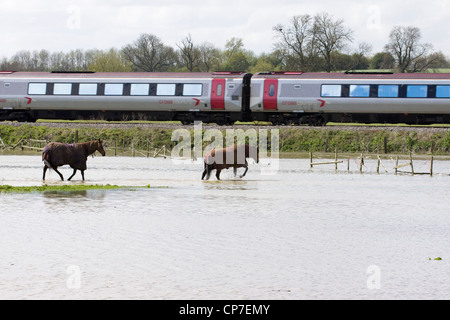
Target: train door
[(270, 94), (218, 94)]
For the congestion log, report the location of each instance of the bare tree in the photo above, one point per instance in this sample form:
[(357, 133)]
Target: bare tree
[(309, 41), (405, 47), (148, 53), (330, 35), (296, 41), (190, 55), (210, 57)]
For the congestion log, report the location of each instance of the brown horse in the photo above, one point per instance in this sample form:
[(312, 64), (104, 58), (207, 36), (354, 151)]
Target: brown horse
[(235, 156), (57, 154)]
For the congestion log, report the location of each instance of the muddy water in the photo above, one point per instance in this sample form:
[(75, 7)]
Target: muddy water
[(296, 234)]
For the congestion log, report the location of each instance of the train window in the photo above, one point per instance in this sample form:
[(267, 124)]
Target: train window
[(331, 90), (165, 89), (192, 90), (62, 88), (219, 90), (387, 91), (139, 89), (271, 90), (442, 91), (359, 91), (88, 89), (37, 88), (113, 89), (416, 91)]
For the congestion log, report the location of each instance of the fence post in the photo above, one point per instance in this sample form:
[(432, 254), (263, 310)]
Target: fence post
[(361, 163), (431, 166), (411, 163), (335, 159), (396, 165), (378, 165)]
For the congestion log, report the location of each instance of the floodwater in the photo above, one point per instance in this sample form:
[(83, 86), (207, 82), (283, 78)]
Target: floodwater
[(287, 233)]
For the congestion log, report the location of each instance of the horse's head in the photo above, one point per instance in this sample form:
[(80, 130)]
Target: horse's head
[(100, 147)]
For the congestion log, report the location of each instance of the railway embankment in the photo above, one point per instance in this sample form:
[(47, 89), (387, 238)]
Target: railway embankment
[(149, 136)]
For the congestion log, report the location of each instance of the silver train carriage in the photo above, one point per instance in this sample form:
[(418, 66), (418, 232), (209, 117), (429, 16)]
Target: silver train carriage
[(227, 97), (318, 98), (209, 97)]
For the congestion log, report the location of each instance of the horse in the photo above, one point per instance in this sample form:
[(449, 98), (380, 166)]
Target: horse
[(224, 158), (57, 154)]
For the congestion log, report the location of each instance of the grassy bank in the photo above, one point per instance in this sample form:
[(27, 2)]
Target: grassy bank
[(292, 139), (65, 188)]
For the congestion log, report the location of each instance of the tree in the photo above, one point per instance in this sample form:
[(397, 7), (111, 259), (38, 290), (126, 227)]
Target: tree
[(382, 60), (236, 58), (404, 46), (296, 41), (111, 61), (190, 55), (210, 57), (148, 53), (308, 44), (329, 35)]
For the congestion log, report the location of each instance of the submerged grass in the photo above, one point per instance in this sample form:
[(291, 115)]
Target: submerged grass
[(69, 188)]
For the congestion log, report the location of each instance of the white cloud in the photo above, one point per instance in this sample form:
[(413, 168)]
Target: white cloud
[(62, 26)]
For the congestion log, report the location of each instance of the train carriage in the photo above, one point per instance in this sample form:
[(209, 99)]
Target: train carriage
[(210, 97), (227, 97), (317, 98)]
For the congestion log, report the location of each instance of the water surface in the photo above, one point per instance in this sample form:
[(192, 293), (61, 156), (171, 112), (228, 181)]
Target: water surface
[(296, 234)]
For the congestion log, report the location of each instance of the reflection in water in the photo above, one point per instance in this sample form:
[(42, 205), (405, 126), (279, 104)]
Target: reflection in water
[(65, 194), (230, 185), (91, 194)]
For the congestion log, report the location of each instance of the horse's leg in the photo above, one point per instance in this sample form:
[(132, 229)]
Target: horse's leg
[(74, 171), (60, 175), (218, 173), (207, 171), (246, 169), (45, 170), (82, 174)]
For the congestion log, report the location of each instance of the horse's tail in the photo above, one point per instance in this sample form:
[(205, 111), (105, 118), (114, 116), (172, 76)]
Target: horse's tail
[(207, 170), (46, 158)]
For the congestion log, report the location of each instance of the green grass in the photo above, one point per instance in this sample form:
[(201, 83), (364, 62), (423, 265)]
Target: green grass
[(68, 188)]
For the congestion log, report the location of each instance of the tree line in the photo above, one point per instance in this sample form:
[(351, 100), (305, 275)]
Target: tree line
[(306, 43)]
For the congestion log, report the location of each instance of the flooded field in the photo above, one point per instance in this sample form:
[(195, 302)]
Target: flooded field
[(287, 233)]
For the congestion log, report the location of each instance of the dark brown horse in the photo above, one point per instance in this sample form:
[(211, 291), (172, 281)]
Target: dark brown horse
[(57, 154), (235, 157)]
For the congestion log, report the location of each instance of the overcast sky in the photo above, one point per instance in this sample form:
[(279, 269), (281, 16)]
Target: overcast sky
[(104, 24)]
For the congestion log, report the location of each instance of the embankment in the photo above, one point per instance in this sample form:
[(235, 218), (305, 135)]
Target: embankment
[(146, 136)]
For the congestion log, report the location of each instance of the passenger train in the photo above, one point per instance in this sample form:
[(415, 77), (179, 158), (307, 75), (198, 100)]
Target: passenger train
[(226, 97)]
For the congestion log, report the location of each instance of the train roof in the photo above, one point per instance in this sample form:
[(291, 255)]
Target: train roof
[(119, 75), (224, 74), (352, 75)]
